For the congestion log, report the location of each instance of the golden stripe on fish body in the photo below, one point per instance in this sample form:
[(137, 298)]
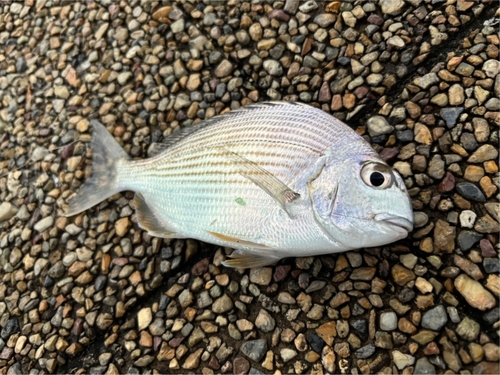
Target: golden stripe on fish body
[(272, 180)]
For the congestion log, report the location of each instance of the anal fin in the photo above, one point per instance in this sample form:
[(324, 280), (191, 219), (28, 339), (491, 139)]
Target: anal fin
[(249, 260), (234, 241), (150, 221)]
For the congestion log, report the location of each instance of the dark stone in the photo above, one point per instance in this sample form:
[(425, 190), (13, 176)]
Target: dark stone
[(77, 327), (344, 60), (15, 369), (375, 19), (467, 239), (423, 366), (445, 142), (491, 265), (435, 318), (487, 249), (281, 272), (468, 141), (100, 282), (32, 304), (331, 53), (215, 57), (21, 64), (311, 62), (470, 191), (277, 51), (361, 327), (389, 153), (407, 56), (298, 39), (214, 363), (254, 349), (339, 85), (278, 14), (447, 184), (316, 342), (450, 115), (166, 252), (365, 351), (201, 267), (220, 90), (404, 135), (406, 295), (240, 365), (11, 327), (133, 371), (357, 310), (254, 371), (98, 370), (438, 361), (47, 281), (380, 139), (492, 316)]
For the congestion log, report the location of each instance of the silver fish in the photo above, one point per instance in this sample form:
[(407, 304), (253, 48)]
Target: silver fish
[(271, 180)]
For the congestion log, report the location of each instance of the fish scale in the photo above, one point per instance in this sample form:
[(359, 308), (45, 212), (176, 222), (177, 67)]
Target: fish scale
[(259, 179)]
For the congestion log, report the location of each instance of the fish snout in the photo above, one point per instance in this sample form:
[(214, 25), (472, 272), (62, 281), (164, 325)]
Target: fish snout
[(395, 220)]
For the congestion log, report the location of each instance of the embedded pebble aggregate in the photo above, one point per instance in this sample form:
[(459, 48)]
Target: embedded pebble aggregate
[(93, 293)]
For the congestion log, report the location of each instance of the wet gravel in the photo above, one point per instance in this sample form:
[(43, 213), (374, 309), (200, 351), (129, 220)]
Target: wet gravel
[(419, 79)]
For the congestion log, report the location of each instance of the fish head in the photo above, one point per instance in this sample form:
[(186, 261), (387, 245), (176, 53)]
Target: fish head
[(360, 201)]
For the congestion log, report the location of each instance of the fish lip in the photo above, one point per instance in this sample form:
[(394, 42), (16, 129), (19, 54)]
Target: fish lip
[(394, 220)]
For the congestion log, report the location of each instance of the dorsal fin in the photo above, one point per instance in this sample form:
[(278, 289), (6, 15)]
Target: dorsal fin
[(184, 132)]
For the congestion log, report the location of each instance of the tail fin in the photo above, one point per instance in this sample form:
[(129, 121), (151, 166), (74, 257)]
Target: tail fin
[(102, 184)]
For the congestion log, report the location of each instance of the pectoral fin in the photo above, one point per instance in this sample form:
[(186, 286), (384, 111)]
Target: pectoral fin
[(268, 182), (234, 241), (248, 260), (150, 221)]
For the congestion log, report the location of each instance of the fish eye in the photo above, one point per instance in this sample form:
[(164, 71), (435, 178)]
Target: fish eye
[(376, 175), (377, 179)]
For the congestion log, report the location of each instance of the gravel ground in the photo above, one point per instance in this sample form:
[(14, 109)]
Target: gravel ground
[(95, 294)]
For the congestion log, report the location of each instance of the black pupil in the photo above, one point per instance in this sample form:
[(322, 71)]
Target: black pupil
[(377, 179)]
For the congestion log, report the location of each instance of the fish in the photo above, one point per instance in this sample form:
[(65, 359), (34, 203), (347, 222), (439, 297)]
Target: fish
[(270, 180)]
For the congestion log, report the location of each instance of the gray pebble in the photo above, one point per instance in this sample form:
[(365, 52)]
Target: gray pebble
[(450, 115), (365, 351), (254, 349), (467, 238), (435, 318), (423, 366), (470, 191), (491, 265)]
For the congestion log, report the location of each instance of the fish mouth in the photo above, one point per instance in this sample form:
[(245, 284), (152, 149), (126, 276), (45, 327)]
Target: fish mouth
[(397, 221)]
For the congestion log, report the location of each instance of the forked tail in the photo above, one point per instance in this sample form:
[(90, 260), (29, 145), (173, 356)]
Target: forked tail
[(103, 183)]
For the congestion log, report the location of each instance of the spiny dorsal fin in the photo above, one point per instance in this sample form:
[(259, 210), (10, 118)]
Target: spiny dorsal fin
[(149, 220), (184, 132)]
